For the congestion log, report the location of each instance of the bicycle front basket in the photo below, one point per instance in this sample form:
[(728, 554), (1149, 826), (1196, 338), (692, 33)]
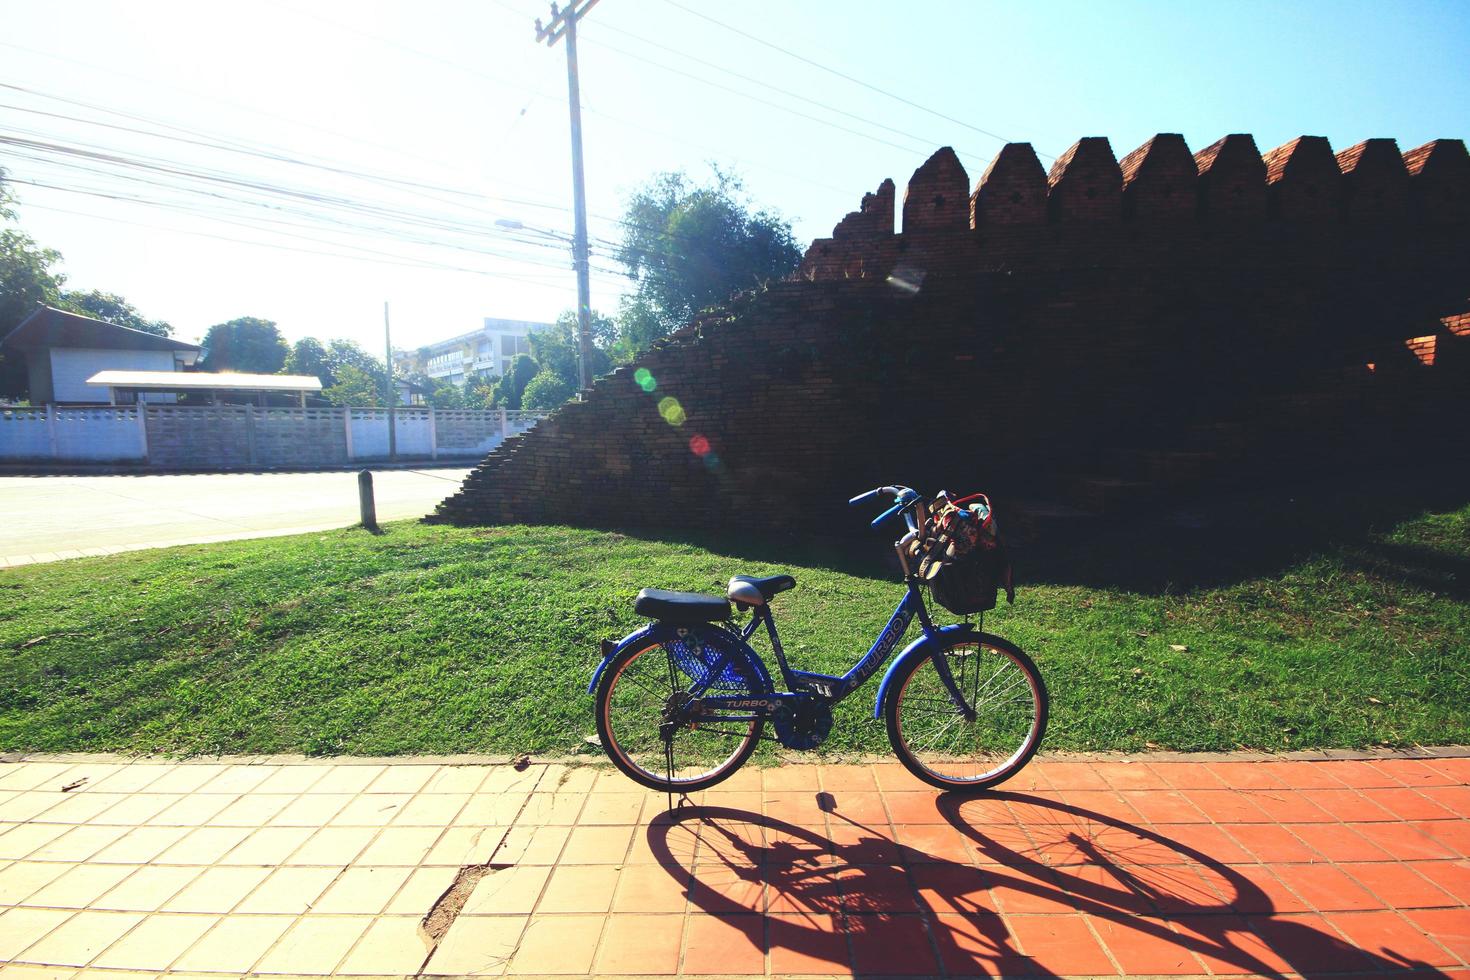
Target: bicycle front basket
[(970, 584)]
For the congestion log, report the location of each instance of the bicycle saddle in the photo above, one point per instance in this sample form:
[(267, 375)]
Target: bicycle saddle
[(680, 607), (749, 591)]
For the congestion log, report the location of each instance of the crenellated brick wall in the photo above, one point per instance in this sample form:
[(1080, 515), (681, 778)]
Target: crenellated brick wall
[(1108, 332)]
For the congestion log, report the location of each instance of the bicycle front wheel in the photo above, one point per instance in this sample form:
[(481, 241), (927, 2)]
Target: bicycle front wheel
[(647, 732), (937, 742)]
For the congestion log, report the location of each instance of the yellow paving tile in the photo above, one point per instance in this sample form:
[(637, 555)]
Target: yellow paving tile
[(392, 944), (81, 886), (403, 779), (506, 779), (315, 944), (289, 891), (311, 810), (138, 808), (511, 891), (141, 845), (252, 810), (104, 974), (30, 971), (156, 942), (492, 809), (23, 838), (371, 810), (235, 944), (362, 890), (30, 775), (79, 843), (333, 845), (431, 810), (292, 779), (203, 846), (568, 779), (24, 878), (28, 806), (217, 890), (598, 845), (193, 810), (77, 940), (133, 778), (421, 891), (557, 944), (478, 946), (184, 779), (459, 846), (400, 845), (239, 779), (83, 775), (20, 928), (268, 846), (456, 779), (148, 887), (347, 779), (550, 808), (533, 845), (82, 807)]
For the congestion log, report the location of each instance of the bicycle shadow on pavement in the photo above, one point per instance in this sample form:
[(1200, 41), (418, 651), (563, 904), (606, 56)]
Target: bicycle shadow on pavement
[(998, 879)]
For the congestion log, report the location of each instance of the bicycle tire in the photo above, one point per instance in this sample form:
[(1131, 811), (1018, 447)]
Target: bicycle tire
[(903, 734), (622, 754)]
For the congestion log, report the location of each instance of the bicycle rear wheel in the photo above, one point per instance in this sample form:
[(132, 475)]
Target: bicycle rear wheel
[(936, 742), (647, 731)]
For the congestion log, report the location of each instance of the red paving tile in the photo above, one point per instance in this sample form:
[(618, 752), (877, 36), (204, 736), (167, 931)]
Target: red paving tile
[(1452, 876), (1347, 805), (1452, 834), (1413, 772), (1408, 804), (1398, 885), (977, 945), (1254, 889), (1310, 944), (891, 945), (1291, 806), (641, 944), (1270, 843), (1189, 775), (1146, 946), (1404, 842), (1165, 806), (1325, 888), (1226, 806), (1391, 938), (1227, 945), (1061, 944), (725, 944), (807, 944), (949, 888), (1206, 842), (1246, 775), (1074, 775), (1339, 842), (1449, 927)]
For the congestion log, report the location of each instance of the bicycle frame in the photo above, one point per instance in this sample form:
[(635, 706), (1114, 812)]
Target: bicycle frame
[(827, 688)]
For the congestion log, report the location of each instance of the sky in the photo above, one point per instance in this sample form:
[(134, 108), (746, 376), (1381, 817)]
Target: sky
[(307, 162)]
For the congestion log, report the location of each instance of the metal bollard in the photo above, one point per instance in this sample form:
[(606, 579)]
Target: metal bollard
[(365, 501)]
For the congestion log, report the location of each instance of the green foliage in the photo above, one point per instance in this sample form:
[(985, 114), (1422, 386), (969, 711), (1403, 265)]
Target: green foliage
[(309, 358), (444, 394), (26, 278), (556, 349), (479, 392), (508, 390), (247, 344), (355, 388), (114, 309), (547, 390), (689, 247)]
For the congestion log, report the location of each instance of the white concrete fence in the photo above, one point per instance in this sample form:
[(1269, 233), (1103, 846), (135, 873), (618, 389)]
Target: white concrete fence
[(244, 437)]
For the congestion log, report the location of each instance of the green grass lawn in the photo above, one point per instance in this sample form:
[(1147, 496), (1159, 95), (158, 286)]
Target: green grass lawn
[(438, 639)]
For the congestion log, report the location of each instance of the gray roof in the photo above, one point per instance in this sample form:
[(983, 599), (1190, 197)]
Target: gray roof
[(50, 327), (206, 381)]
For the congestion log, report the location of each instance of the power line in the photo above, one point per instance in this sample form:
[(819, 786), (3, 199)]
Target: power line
[(843, 75)]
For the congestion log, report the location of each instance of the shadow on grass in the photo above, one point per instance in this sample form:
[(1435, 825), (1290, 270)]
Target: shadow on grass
[(1200, 542)]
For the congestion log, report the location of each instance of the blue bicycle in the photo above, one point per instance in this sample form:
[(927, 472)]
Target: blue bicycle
[(682, 702)]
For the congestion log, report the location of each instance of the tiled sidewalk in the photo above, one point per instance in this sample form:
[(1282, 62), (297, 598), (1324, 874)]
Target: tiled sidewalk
[(1077, 868)]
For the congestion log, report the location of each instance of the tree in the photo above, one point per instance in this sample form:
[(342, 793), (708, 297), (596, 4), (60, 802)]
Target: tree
[(508, 389), (308, 357), (547, 390), (355, 388), (444, 394), (114, 309), (555, 349), (690, 247), (246, 344), (479, 392), (26, 278)]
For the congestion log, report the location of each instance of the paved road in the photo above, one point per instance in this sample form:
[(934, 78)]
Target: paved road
[(47, 518)]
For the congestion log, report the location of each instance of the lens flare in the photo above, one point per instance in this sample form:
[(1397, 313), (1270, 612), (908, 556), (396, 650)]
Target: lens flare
[(672, 411), (644, 379), (699, 445)]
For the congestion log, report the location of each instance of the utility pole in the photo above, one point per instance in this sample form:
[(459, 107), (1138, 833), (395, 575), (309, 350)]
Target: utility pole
[(564, 24), (392, 392)]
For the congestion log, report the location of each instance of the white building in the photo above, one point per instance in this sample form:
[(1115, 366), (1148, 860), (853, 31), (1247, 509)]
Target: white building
[(63, 350), (484, 353)]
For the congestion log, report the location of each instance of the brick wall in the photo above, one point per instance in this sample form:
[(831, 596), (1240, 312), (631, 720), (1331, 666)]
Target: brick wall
[(1026, 331)]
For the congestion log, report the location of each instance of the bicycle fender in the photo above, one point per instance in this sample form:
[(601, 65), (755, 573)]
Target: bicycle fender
[(918, 648), (663, 632)]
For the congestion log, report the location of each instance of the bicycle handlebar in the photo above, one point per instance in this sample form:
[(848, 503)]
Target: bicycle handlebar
[(903, 498)]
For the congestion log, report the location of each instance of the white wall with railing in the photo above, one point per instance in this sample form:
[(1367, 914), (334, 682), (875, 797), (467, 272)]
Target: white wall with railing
[(231, 436)]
